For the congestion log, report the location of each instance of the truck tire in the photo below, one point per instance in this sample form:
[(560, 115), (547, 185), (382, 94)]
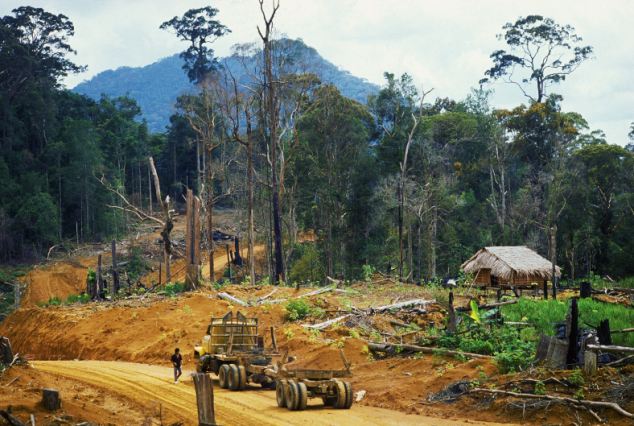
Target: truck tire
[(302, 396), (234, 377), (340, 392), (280, 393), (349, 395), (292, 397), (223, 376), (242, 373)]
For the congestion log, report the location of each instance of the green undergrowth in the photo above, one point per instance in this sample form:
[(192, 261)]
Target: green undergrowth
[(544, 314)]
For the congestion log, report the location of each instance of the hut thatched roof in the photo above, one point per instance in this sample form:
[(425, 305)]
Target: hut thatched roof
[(504, 260)]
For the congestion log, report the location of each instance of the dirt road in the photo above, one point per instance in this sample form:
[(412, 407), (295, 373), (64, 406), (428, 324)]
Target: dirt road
[(151, 385)]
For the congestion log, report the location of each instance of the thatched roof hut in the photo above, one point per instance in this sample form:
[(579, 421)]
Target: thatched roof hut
[(509, 265)]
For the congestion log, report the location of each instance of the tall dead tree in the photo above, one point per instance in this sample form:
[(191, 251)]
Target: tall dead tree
[(270, 123), (167, 221), (401, 184), (192, 241), (234, 107)]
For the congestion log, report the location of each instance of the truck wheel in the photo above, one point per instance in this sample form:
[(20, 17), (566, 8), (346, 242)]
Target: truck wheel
[(280, 393), (292, 397), (302, 396), (340, 392), (242, 373), (223, 376), (234, 377), (349, 395)]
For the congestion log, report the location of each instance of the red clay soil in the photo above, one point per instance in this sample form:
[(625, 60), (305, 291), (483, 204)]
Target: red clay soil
[(21, 389), (59, 279)]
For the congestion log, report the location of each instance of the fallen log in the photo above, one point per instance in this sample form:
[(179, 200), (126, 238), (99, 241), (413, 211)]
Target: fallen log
[(387, 347), (572, 401), (11, 420), (625, 330), (611, 348), (326, 324), (401, 305), (230, 298), (620, 361), (316, 292), (263, 298)]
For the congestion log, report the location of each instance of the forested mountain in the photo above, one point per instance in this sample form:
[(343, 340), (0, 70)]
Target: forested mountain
[(155, 87)]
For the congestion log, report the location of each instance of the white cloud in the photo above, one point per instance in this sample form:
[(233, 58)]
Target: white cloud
[(444, 45)]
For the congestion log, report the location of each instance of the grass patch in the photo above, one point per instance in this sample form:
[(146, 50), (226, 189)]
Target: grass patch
[(543, 314)]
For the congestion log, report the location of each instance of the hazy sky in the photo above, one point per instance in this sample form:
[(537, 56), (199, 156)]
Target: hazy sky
[(442, 44)]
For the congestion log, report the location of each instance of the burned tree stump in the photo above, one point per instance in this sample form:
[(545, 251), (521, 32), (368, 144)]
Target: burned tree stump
[(585, 289), (51, 400), (6, 353), (590, 362), (451, 321), (603, 332), (572, 332)]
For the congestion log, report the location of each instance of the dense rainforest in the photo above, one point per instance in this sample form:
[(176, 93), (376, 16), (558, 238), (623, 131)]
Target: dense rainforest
[(409, 182)]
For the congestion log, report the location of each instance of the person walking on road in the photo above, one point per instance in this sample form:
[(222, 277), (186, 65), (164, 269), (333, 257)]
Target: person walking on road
[(177, 360)]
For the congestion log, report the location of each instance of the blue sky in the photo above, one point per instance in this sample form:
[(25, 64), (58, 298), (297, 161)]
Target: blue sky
[(444, 45)]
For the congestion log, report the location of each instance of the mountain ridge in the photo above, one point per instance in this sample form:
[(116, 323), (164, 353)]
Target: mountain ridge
[(156, 86)]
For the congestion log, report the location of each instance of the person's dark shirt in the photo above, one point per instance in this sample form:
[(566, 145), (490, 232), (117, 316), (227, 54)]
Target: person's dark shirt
[(177, 359)]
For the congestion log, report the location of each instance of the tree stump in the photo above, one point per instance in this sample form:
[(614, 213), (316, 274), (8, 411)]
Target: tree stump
[(6, 353), (603, 332), (585, 289), (589, 362), (557, 354), (51, 400), (204, 399)]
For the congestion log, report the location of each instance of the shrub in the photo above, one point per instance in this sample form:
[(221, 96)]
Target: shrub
[(172, 289), (297, 309), (544, 314), (77, 298), (308, 265), (367, 271)]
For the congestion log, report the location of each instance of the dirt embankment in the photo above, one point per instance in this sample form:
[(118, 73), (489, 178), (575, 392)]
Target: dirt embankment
[(59, 279)]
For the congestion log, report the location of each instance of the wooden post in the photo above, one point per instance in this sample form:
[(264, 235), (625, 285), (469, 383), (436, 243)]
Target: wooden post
[(229, 263), (237, 258), (545, 289), (204, 399), (589, 362), (585, 289), (114, 286), (572, 331), (160, 272), (273, 339), (99, 278), (51, 400), (451, 322)]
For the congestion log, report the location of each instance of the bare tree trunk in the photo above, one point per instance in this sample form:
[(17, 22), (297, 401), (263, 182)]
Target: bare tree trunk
[(272, 122), (432, 242), (168, 224), (250, 202), (410, 256), (553, 257)]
